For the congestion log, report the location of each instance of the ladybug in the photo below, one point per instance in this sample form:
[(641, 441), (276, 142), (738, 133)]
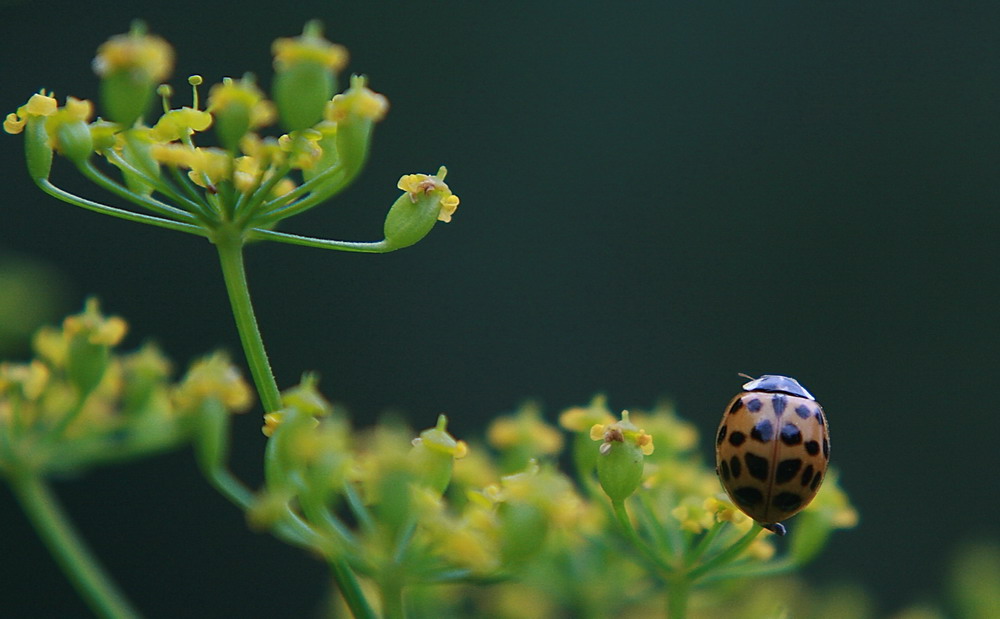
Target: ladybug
[(772, 449)]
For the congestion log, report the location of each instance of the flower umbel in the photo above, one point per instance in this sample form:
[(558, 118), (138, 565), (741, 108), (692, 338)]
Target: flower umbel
[(253, 181)]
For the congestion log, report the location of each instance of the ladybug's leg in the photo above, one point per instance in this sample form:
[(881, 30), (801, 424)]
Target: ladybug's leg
[(776, 527)]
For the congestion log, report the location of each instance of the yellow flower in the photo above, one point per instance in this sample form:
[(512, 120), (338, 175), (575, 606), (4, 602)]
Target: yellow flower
[(271, 423), (177, 124), (209, 166), (243, 93), (107, 331), (213, 377), (416, 184), (359, 101), (308, 47), (40, 104), (526, 430), (135, 51), (582, 418), (623, 430)]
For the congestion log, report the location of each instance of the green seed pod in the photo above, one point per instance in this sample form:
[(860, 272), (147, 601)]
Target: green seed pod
[(231, 124), (130, 66), (86, 362), (126, 95), (75, 141), (137, 150), (524, 528), (619, 468), (410, 219), (305, 76), (301, 92), (37, 151), (426, 201), (433, 456)]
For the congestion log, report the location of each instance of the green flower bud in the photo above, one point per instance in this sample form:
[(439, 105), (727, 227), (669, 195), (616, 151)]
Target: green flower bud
[(426, 201), (305, 76)]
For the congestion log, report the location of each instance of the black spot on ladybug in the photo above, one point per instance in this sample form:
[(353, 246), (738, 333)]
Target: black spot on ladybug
[(826, 448), (816, 480), (786, 470), (803, 411), (754, 405), (756, 466), (763, 431), (819, 418), (779, 402), (736, 466), (736, 439), (722, 435), (737, 405), (787, 501), (748, 496), (790, 434), (812, 447), (723, 470), (807, 475)]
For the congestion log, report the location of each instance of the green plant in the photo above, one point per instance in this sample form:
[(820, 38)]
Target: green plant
[(409, 525)]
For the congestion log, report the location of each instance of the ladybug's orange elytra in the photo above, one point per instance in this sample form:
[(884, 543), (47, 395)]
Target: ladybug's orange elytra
[(772, 449)]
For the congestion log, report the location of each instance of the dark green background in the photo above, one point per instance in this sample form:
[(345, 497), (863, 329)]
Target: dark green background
[(655, 196)]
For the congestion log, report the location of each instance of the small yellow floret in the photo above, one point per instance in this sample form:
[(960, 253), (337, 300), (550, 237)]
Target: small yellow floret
[(243, 93), (271, 423), (416, 184), (359, 100), (308, 47), (177, 124), (38, 105), (150, 54)]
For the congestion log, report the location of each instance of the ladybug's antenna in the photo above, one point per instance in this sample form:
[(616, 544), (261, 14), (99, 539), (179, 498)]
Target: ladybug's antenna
[(746, 376)]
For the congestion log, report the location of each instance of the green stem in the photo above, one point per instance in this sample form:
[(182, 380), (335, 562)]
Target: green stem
[(97, 207), (69, 550), (351, 589), (625, 524), (677, 598), (230, 247), (727, 555), (375, 247), (391, 590)]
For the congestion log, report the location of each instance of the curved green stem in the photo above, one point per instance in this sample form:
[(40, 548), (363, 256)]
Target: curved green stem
[(97, 207), (69, 550), (376, 247), (230, 247)]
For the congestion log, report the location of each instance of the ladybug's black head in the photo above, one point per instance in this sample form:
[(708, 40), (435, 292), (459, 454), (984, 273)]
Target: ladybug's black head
[(779, 384)]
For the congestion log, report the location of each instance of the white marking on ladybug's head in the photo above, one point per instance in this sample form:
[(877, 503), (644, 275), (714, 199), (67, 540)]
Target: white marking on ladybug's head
[(781, 384)]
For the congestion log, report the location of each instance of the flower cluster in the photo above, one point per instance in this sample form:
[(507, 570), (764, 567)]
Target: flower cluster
[(431, 509), (79, 402), (247, 181)]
